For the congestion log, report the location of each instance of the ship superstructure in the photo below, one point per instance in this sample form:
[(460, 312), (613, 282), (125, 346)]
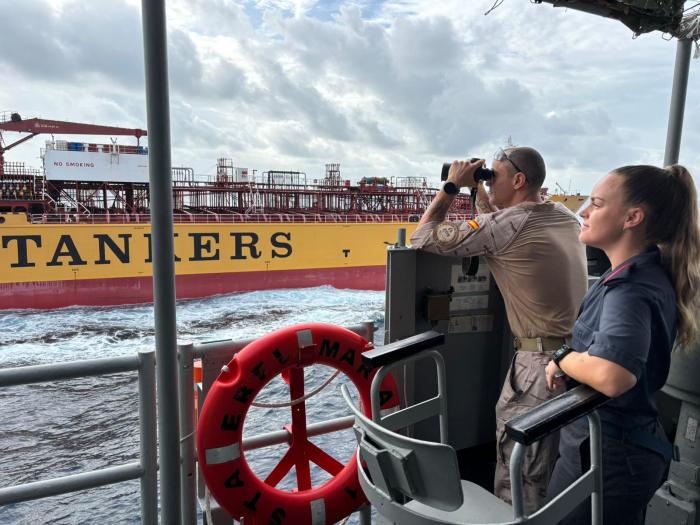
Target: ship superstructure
[(77, 231), (89, 179)]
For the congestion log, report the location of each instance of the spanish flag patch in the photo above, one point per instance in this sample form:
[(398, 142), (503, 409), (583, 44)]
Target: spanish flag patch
[(474, 225)]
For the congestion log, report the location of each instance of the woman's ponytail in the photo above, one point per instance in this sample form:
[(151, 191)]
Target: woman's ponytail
[(668, 196), (681, 256)]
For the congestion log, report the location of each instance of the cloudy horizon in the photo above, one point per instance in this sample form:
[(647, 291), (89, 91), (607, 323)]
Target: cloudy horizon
[(388, 89)]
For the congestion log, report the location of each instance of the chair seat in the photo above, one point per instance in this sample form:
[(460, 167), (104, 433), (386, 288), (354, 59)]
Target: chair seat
[(480, 506)]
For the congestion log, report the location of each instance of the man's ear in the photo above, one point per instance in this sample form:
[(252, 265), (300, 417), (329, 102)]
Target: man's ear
[(634, 217), (519, 180)]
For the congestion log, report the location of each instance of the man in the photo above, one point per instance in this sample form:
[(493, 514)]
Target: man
[(533, 252)]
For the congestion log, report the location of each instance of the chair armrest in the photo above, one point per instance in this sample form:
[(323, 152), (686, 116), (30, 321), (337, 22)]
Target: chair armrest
[(551, 415), (403, 348)]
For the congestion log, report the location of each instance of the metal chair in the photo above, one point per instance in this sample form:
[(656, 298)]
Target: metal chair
[(410, 481)]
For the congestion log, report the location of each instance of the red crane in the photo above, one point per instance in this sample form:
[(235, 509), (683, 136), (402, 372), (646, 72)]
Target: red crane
[(36, 126)]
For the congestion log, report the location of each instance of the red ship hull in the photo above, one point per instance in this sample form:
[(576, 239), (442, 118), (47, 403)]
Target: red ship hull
[(136, 290)]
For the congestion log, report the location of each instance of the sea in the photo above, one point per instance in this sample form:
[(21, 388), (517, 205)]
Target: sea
[(54, 429)]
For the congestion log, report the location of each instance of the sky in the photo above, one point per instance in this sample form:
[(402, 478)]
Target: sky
[(388, 89)]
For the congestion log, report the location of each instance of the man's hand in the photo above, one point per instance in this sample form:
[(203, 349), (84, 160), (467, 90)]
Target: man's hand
[(462, 173), (483, 203), (555, 377)]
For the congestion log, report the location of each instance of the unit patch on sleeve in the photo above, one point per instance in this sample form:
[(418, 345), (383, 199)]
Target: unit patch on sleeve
[(447, 235)]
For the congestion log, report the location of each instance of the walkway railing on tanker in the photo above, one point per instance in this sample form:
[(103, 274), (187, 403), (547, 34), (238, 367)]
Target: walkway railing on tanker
[(9, 116), (231, 218), (214, 355), (145, 469)]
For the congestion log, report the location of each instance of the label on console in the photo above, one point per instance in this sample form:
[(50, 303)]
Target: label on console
[(470, 323), (469, 302), (461, 282)]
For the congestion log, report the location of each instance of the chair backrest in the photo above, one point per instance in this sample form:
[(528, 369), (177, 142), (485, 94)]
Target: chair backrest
[(401, 466)]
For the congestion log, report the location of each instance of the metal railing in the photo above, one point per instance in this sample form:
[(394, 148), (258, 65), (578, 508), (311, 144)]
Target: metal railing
[(6, 116), (213, 355), (233, 218), (145, 470)]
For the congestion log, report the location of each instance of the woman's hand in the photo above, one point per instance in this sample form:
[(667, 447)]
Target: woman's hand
[(555, 377)]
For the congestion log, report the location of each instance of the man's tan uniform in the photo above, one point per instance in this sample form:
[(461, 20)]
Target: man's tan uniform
[(539, 264)]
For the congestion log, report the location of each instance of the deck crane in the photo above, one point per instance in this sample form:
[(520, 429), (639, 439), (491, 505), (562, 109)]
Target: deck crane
[(37, 126)]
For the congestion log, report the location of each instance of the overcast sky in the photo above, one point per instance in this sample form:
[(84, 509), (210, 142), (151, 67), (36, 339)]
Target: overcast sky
[(384, 88)]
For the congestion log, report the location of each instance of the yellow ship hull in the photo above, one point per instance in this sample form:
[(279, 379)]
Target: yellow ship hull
[(56, 265)]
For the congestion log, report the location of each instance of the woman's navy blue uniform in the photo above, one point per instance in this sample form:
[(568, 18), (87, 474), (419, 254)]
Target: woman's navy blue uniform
[(628, 317)]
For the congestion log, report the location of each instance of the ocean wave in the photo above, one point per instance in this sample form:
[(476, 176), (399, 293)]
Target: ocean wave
[(64, 427)]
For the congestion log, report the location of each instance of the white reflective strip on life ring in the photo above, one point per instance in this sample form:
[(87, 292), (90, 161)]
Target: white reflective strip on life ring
[(305, 338), (318, 512), (216, 456)]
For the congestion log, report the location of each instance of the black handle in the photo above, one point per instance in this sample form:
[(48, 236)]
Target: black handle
[(403, 348), (551, 415)]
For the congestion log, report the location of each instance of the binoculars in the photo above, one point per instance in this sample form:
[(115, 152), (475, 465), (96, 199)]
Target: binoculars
[(481, 174)]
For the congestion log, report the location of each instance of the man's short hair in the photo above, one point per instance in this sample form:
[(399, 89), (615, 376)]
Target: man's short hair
[(531, 163)]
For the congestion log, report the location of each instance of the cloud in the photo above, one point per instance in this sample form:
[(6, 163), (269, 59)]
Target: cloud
[(42, 55), (78, 42), (385, 88), (185, 68), (211, 18), (410, 75)]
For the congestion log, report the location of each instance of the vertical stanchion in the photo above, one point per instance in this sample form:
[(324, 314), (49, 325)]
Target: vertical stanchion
[(148, 437), (187, 430), (160, 187), (594, 431), (516, 480), (368, 330), (678, 93), (365, 515), (442, 392)]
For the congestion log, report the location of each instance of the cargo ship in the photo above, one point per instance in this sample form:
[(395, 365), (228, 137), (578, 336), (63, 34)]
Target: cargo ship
[(76, 231)]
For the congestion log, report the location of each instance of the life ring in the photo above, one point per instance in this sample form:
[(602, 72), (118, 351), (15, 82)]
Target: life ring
[(220, 428)]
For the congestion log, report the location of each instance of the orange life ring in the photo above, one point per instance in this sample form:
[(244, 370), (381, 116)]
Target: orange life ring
[(220, 428)]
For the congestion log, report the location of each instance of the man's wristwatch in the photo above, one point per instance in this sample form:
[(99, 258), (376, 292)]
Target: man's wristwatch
[(561, 353), (450, 188)]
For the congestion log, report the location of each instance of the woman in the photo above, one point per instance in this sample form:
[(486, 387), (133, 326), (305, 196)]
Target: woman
[(645, 219)]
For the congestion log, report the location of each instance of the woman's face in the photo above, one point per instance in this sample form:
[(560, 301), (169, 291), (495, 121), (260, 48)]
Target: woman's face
[(604, 218)]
